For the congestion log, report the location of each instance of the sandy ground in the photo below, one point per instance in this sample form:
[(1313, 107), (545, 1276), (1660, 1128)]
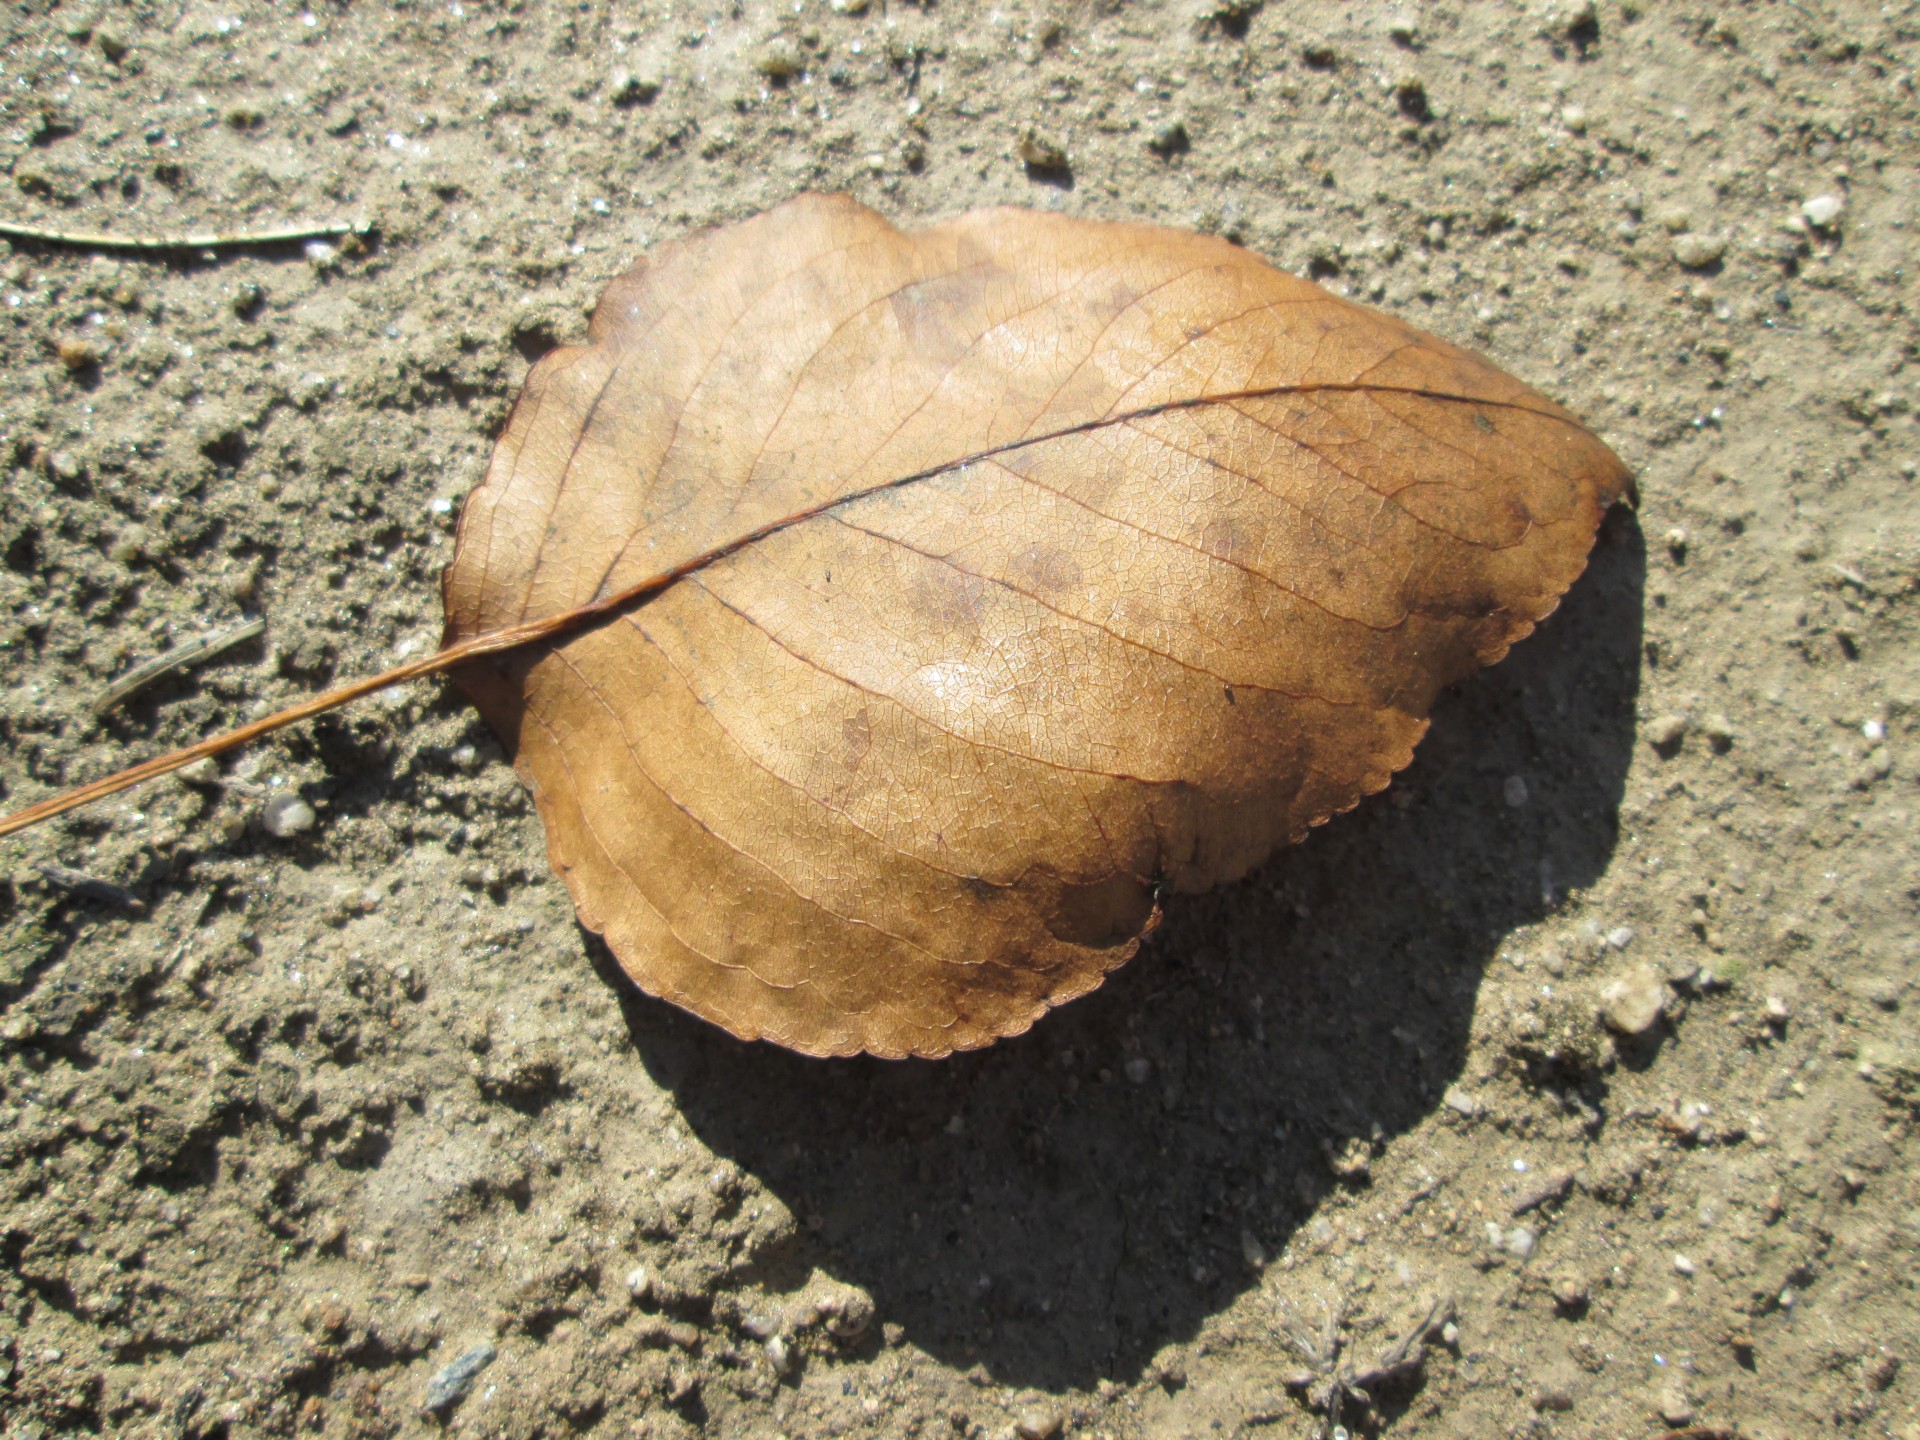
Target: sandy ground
[(337, 1115)]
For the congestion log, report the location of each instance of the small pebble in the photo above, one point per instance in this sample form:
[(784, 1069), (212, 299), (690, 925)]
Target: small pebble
[(1252, 1251), (1822, 210), (1040, 154), (779, 1355), (1632, 1002), (1169, 140), (1138, 1068), (286, 815), (1677, 543), (1037, 1423), (1514, 791), (1620, 936), (130, 545), (1575, 119), (624, 88), (779, 60), (759, 1326), (77, 355), (1666, 733), (639, 1283), (452, 1381), (1569, 1290), (1675, 1408), (1460, 1102), (1694, 251), (1552, 1398), (1873, 732), (1683, 1265), (203, 772)]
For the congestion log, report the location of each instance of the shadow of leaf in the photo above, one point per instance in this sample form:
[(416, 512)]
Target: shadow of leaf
[(1062, 1206)]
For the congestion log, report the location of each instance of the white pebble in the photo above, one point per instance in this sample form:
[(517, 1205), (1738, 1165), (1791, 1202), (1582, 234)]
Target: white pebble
[(639, 1282), (1460, 1102), (1138, 1068), (778, 1355), (1632, 1002), (285, 815), (1874, 731), (1695, 251), (1666, 733), (1822, 210), (1620, 936), (1514, 791), (1682, 1264), (1521, 1242)]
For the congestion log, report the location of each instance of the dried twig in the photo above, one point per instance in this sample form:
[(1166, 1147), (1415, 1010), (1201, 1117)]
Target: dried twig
[(162, 244), (187, 652), (1333, 1383), (1404, 1356)]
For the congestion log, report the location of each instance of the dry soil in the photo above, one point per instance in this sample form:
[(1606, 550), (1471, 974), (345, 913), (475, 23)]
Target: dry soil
[(339, 1111)]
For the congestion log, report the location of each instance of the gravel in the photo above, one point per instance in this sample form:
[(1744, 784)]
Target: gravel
[(1696, 251), (1822, 211), (1632, 1002), (452, 1382), (286, 815)]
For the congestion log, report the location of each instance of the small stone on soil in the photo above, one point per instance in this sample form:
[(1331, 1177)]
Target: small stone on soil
[(1666, 733), (78, 355), (452, 1381), (1632, 1002), (1822, 210), (639, 1283), (1675, 1408), (1694, 251), (286, 815)]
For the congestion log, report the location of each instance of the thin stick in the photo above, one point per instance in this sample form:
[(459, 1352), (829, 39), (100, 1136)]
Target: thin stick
[(596, 611), (162, 244), (491, 643), (187, 652)]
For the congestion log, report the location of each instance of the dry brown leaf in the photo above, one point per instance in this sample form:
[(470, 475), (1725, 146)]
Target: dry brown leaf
[(967, 584)]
